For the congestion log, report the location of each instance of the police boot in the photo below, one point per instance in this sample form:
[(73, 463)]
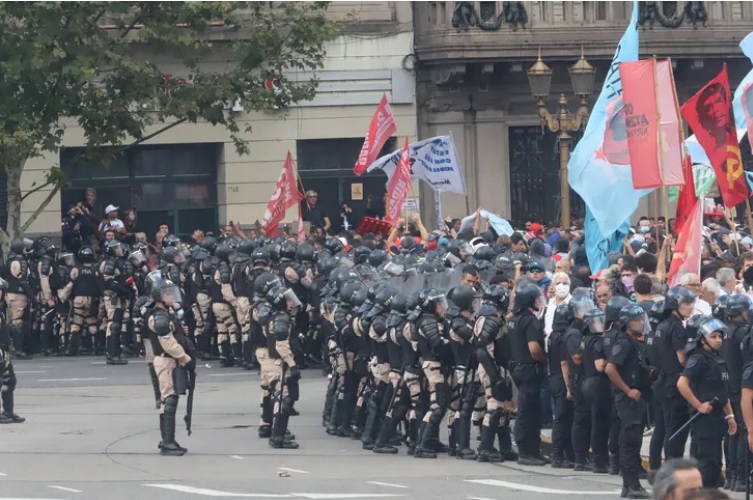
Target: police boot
[(452, 436), (247, 356), (278, 440), (169, 446), (386, 432), (359, 419), (226, 358), (74, 343), (329, 401), (372, 425), (434, 442), (569, 457), (422, 449), (18, 342), (334, 418), (113, 357), (267, 416), (741, 485), (505, 443), (581, 462), (637, 491), (155, 386), (237, 354), (463, 439), (413, 427), (486, 450), (12, 418), (614, 464), (729, 479)]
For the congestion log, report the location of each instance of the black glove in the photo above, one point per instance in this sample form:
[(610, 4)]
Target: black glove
[(295, 374), (190, 366)]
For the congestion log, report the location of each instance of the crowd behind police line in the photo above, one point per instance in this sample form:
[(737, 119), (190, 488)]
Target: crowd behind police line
[(416, 360)]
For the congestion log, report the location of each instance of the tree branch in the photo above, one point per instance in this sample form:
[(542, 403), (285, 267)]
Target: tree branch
[(143, 8), (40, 209), (150, 136), (38, 188)]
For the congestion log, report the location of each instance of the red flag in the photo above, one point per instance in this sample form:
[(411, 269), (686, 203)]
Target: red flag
[(284, 196), (399, 185), (687, 198), (652, 123), (709, 114), (381, 128), (687, 255)]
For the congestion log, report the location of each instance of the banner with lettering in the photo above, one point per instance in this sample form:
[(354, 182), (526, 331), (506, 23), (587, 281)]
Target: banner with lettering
[(381, 128)]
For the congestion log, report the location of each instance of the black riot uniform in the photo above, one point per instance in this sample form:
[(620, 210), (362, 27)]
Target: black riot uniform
[(704, 384), (596, 390), (630, 376), (578, 330), (656, 446), (8, 379), (562, 446), (612, 329), (528, 367), (671, 338), (737, 323)]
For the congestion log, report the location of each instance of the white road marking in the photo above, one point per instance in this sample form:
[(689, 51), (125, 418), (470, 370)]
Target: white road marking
[(228, 375), (13, 498), (90, 379), (30, 371), (237, 457), (334, 496), (294, 470), (214, 493), (63, 488), (537, 489), (391, 485), (3, 474), (479, 498)]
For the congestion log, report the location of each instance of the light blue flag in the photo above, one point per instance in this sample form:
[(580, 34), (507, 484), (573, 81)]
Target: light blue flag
[(606, 187), (598, 247), (749, 178)]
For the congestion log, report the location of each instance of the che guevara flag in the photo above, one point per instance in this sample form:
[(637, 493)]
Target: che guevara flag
[(399, 185), (687, 255), (652, 123), (709, 114), (284, 196), (381, 128)]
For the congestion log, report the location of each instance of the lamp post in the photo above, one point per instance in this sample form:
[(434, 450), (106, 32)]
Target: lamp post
[(563, 122)]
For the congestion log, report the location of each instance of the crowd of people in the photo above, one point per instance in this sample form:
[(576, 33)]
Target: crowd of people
[(458, 327)]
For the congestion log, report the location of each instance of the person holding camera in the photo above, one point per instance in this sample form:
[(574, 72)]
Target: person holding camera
[(75, 226)]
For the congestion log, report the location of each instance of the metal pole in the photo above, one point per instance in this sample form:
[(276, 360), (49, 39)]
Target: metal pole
[(564, 186)]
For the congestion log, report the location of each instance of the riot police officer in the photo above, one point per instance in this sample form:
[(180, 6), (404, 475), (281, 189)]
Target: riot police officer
[(116, 292), (528, 360), (737, 323), (630, 377), (84, 289), (671, 339), (7, 375), (20, 293), (704, 383), (596, 389), (580, 304), (611, 330), (562, 446), (169, 346)]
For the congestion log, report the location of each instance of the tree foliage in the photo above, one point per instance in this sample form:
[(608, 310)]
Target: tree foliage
[(92, 63)]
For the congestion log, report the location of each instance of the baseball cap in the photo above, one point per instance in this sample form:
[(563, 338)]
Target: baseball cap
[(602, 274), (110, 208), (537, 228), (536, 266)]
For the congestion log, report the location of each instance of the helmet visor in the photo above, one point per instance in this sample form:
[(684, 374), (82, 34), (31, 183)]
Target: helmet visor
[(171, 295), (137, 258), (638, 325)]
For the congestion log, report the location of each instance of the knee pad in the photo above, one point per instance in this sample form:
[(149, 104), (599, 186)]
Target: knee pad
[(287, 405), (171, 404), (117, 315), (293, 389), (442, 396), (115, 329)]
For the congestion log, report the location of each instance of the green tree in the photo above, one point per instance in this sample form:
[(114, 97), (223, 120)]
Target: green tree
[(89, 63)]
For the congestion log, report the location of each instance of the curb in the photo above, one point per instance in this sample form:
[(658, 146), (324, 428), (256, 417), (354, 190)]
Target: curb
[(546, 450)]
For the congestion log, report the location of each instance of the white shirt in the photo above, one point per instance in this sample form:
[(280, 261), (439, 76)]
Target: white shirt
[(110, 224), (549, 315), (701, 307)]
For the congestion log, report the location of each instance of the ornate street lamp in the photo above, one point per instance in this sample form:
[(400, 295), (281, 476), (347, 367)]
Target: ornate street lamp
[(563, 123)]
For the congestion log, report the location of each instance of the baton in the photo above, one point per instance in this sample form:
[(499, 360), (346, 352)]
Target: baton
[(713, 402)]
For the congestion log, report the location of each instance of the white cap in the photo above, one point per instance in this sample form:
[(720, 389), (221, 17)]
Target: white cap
[(110, 208)]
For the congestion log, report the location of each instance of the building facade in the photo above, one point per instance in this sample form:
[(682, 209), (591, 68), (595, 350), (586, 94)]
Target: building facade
[(471, 60), (191, 177)]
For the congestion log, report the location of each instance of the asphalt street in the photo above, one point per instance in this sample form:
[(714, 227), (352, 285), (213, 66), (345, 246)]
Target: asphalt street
[(92, 433)]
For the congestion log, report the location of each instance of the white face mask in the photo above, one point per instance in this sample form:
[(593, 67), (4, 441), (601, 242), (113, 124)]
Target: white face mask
[(561, 290)]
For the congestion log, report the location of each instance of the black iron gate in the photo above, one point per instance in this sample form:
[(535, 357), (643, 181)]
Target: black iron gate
[(534, 177)]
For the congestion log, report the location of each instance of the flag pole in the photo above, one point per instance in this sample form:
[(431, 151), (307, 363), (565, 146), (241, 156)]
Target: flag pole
[(660, 141), (680, 130)]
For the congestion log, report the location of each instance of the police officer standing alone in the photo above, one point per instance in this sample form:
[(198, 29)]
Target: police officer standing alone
[(704, 385), (630, 378), (528, 363), (168, 355)]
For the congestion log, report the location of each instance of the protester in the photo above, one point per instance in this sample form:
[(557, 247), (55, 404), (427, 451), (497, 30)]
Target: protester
[(313, 214), (676, 478)]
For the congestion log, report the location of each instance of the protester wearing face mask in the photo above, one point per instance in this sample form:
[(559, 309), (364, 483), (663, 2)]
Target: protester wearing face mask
[(561, 282)]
